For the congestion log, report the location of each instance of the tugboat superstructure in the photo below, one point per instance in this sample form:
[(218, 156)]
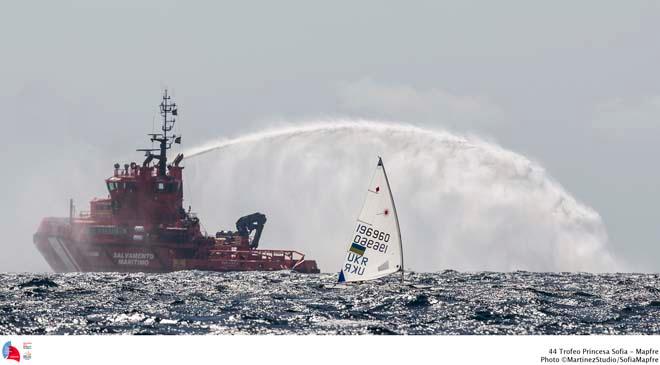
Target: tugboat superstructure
[(142, 226)]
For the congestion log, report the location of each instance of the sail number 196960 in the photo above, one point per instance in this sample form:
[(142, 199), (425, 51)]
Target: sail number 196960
[(377, 238)]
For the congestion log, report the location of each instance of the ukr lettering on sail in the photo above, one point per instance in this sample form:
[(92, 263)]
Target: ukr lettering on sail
[(355, 264)]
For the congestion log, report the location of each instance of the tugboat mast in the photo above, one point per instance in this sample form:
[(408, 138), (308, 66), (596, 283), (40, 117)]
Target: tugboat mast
[(168, 111)]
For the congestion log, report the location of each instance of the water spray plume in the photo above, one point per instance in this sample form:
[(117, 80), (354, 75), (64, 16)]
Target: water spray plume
[(463, 203)]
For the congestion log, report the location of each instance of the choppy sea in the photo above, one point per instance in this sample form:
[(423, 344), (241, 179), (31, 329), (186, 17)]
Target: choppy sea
[(448, 302)]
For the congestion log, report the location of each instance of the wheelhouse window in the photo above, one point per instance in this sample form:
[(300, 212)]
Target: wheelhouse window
[(112, 186), (131, 186), (170, 187)]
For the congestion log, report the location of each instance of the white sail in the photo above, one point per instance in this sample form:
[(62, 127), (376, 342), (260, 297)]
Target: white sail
[(375, 249)]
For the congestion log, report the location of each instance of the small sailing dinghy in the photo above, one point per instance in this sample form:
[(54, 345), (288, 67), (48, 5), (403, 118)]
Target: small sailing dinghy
[(376, 249)]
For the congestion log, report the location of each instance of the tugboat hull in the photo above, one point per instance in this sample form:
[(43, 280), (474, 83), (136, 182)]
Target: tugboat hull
[(56, 242)]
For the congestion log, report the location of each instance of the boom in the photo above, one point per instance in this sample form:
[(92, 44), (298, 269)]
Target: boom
[(245, 226)]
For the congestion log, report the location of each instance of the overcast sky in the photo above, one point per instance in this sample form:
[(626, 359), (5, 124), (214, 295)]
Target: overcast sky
[(573, 85)]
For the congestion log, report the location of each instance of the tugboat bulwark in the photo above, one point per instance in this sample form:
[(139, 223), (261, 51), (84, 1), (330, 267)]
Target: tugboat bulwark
[(143, 227)]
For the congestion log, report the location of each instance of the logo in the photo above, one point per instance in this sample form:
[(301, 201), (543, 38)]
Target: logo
[(10, 352)]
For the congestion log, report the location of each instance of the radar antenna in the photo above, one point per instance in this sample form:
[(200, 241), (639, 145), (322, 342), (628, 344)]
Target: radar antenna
[(168, 111)]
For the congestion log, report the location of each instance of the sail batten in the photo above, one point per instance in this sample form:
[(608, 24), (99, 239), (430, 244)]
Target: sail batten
[(375, 249)]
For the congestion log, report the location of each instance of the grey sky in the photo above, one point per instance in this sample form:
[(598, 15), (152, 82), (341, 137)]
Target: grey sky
[(572, 85)]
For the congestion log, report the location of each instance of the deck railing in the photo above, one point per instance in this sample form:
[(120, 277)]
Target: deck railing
[(261, 254)]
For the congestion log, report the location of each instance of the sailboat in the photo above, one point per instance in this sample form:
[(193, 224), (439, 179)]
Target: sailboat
[(375, 250)]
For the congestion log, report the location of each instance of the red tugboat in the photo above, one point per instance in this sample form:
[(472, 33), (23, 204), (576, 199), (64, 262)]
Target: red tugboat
[(143, 227)]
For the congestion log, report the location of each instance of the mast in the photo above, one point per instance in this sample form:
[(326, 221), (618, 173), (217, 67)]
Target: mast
[(167, 111), (396, 216)]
